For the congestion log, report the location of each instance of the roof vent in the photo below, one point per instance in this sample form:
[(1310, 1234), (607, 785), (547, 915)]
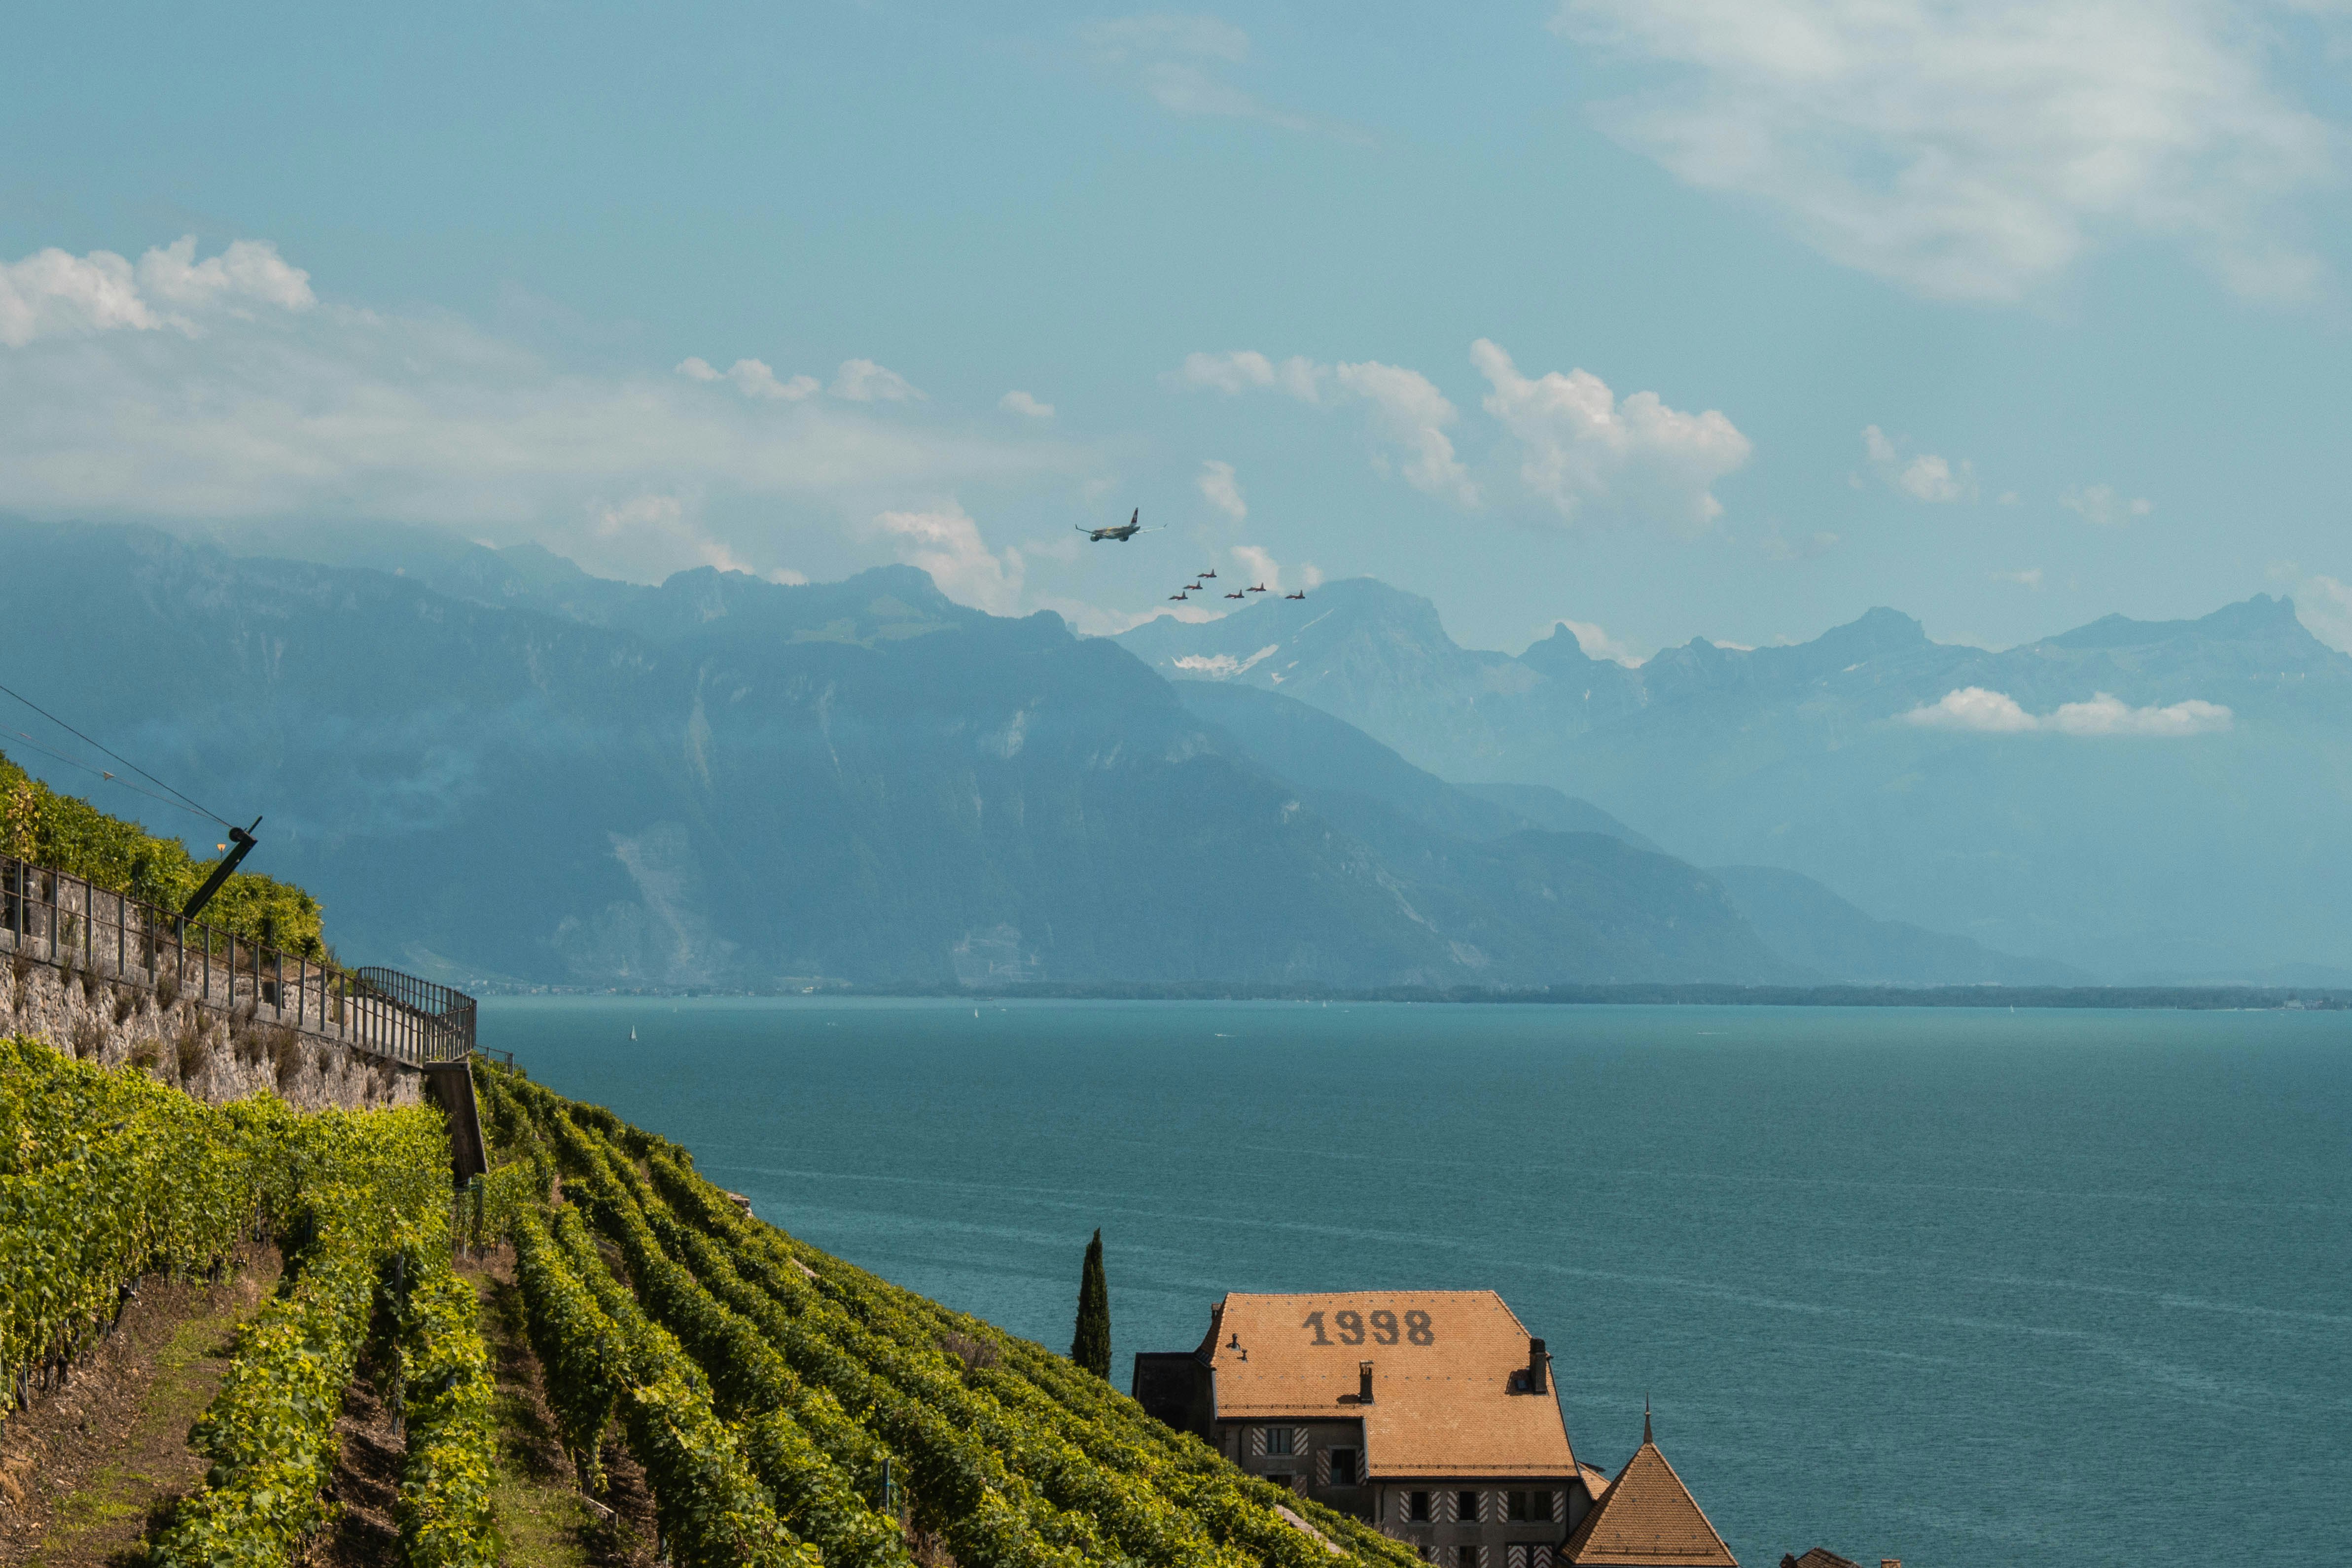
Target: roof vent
[(1539, 1368), (1363, 1383)]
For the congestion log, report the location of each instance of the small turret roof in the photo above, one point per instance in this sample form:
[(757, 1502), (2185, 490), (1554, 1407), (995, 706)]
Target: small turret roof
[(1647, 1517)]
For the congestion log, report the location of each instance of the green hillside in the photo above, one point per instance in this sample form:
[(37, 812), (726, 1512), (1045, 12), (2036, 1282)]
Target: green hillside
[(768, 1404)]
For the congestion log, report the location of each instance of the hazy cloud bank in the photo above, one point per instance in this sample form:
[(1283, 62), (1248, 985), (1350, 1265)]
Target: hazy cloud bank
[(1974, 708), (1974, 152)]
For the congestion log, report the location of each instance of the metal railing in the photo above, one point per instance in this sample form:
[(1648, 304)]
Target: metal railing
[(55, 918)]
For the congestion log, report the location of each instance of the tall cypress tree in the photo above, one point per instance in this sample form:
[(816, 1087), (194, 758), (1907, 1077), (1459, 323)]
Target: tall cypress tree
[(1090, 1348)]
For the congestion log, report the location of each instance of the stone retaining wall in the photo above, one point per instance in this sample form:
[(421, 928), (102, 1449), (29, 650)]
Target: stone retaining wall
[(217, 1054)]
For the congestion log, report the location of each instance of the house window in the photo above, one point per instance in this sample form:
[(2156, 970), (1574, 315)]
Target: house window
[(1466, 1507), (1466, 1557), (1416, 1507), (1343, 1467), (1277, 1439), (1528, 1506)]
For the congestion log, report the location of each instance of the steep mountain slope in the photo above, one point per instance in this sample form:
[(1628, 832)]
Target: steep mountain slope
[(1369, 792), (1550, 808), (731, 783), (2130, 836), (1809, 925)]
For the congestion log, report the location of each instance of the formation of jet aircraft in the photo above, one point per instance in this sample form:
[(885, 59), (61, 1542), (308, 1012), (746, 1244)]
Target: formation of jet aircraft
[(1122, 532)]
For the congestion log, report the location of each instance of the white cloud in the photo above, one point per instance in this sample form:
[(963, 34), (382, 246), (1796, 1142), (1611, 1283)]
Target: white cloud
[(1408, 412), (2101, 505), (1598, 644), (1923, 476), (655, 533), (1182, 64), (1582, 452), (752, 378), (1217, 483), (1021, 402), (945, 542), (2028, 577), (1246, 369), (862, 381), (251, 271), (336, 412), (1974, 708), (2323, 605), (1122, 39), (54, 294), (1260, 567), (1972, 152), (1811, 547)]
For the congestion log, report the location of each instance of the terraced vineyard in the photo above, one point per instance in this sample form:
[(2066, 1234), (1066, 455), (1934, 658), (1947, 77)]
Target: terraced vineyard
[(790, 1407), (107, 1178), (784, 1406)]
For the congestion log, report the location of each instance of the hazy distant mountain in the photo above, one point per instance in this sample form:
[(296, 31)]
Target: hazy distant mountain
[(2134, 835), (1807, 925), (1371, 791), (722, 782), (1547, 807)]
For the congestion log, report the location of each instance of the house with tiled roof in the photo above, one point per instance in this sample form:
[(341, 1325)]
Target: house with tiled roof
[(1647, 1517), (1429, 1412)]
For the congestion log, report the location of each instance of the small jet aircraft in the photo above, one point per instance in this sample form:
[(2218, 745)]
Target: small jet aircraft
[(1122, 533), (1259, 589), (1180, 596), (1191, 587), (1232, 595), (1205, 575), (1300, 594)]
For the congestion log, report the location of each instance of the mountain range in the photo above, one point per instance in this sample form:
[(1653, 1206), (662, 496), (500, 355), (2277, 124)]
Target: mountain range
[(498, 769), (2140, 800)]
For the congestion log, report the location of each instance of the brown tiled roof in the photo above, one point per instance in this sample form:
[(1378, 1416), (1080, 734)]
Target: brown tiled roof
[(1596, 1480), (1648, 1517), (1442, 1410), (1819, 1557)]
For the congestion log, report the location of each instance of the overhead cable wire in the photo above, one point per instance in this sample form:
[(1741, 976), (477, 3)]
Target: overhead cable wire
[(118, 756), (111, 778)]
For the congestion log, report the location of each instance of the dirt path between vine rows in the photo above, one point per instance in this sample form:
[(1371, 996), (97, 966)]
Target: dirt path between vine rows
[(86, 1469), (542, 1519)]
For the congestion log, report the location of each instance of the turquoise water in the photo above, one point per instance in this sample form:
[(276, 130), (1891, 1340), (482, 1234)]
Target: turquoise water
[(1957, 1287)]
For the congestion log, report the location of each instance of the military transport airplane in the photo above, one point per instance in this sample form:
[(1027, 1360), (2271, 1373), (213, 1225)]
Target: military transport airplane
[(1122, 533)]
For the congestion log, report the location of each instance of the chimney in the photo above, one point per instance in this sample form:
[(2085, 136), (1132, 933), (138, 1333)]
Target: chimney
[(1364, 1383), (1539, 1372)]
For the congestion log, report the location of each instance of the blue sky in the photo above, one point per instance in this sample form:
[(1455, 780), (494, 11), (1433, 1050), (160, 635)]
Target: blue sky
[(1690, 317)]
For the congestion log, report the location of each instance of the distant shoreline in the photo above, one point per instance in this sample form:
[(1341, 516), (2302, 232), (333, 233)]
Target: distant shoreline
[(2179, 998)]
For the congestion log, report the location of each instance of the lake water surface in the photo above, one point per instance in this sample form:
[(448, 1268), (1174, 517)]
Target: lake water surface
[(1954, 1286)]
